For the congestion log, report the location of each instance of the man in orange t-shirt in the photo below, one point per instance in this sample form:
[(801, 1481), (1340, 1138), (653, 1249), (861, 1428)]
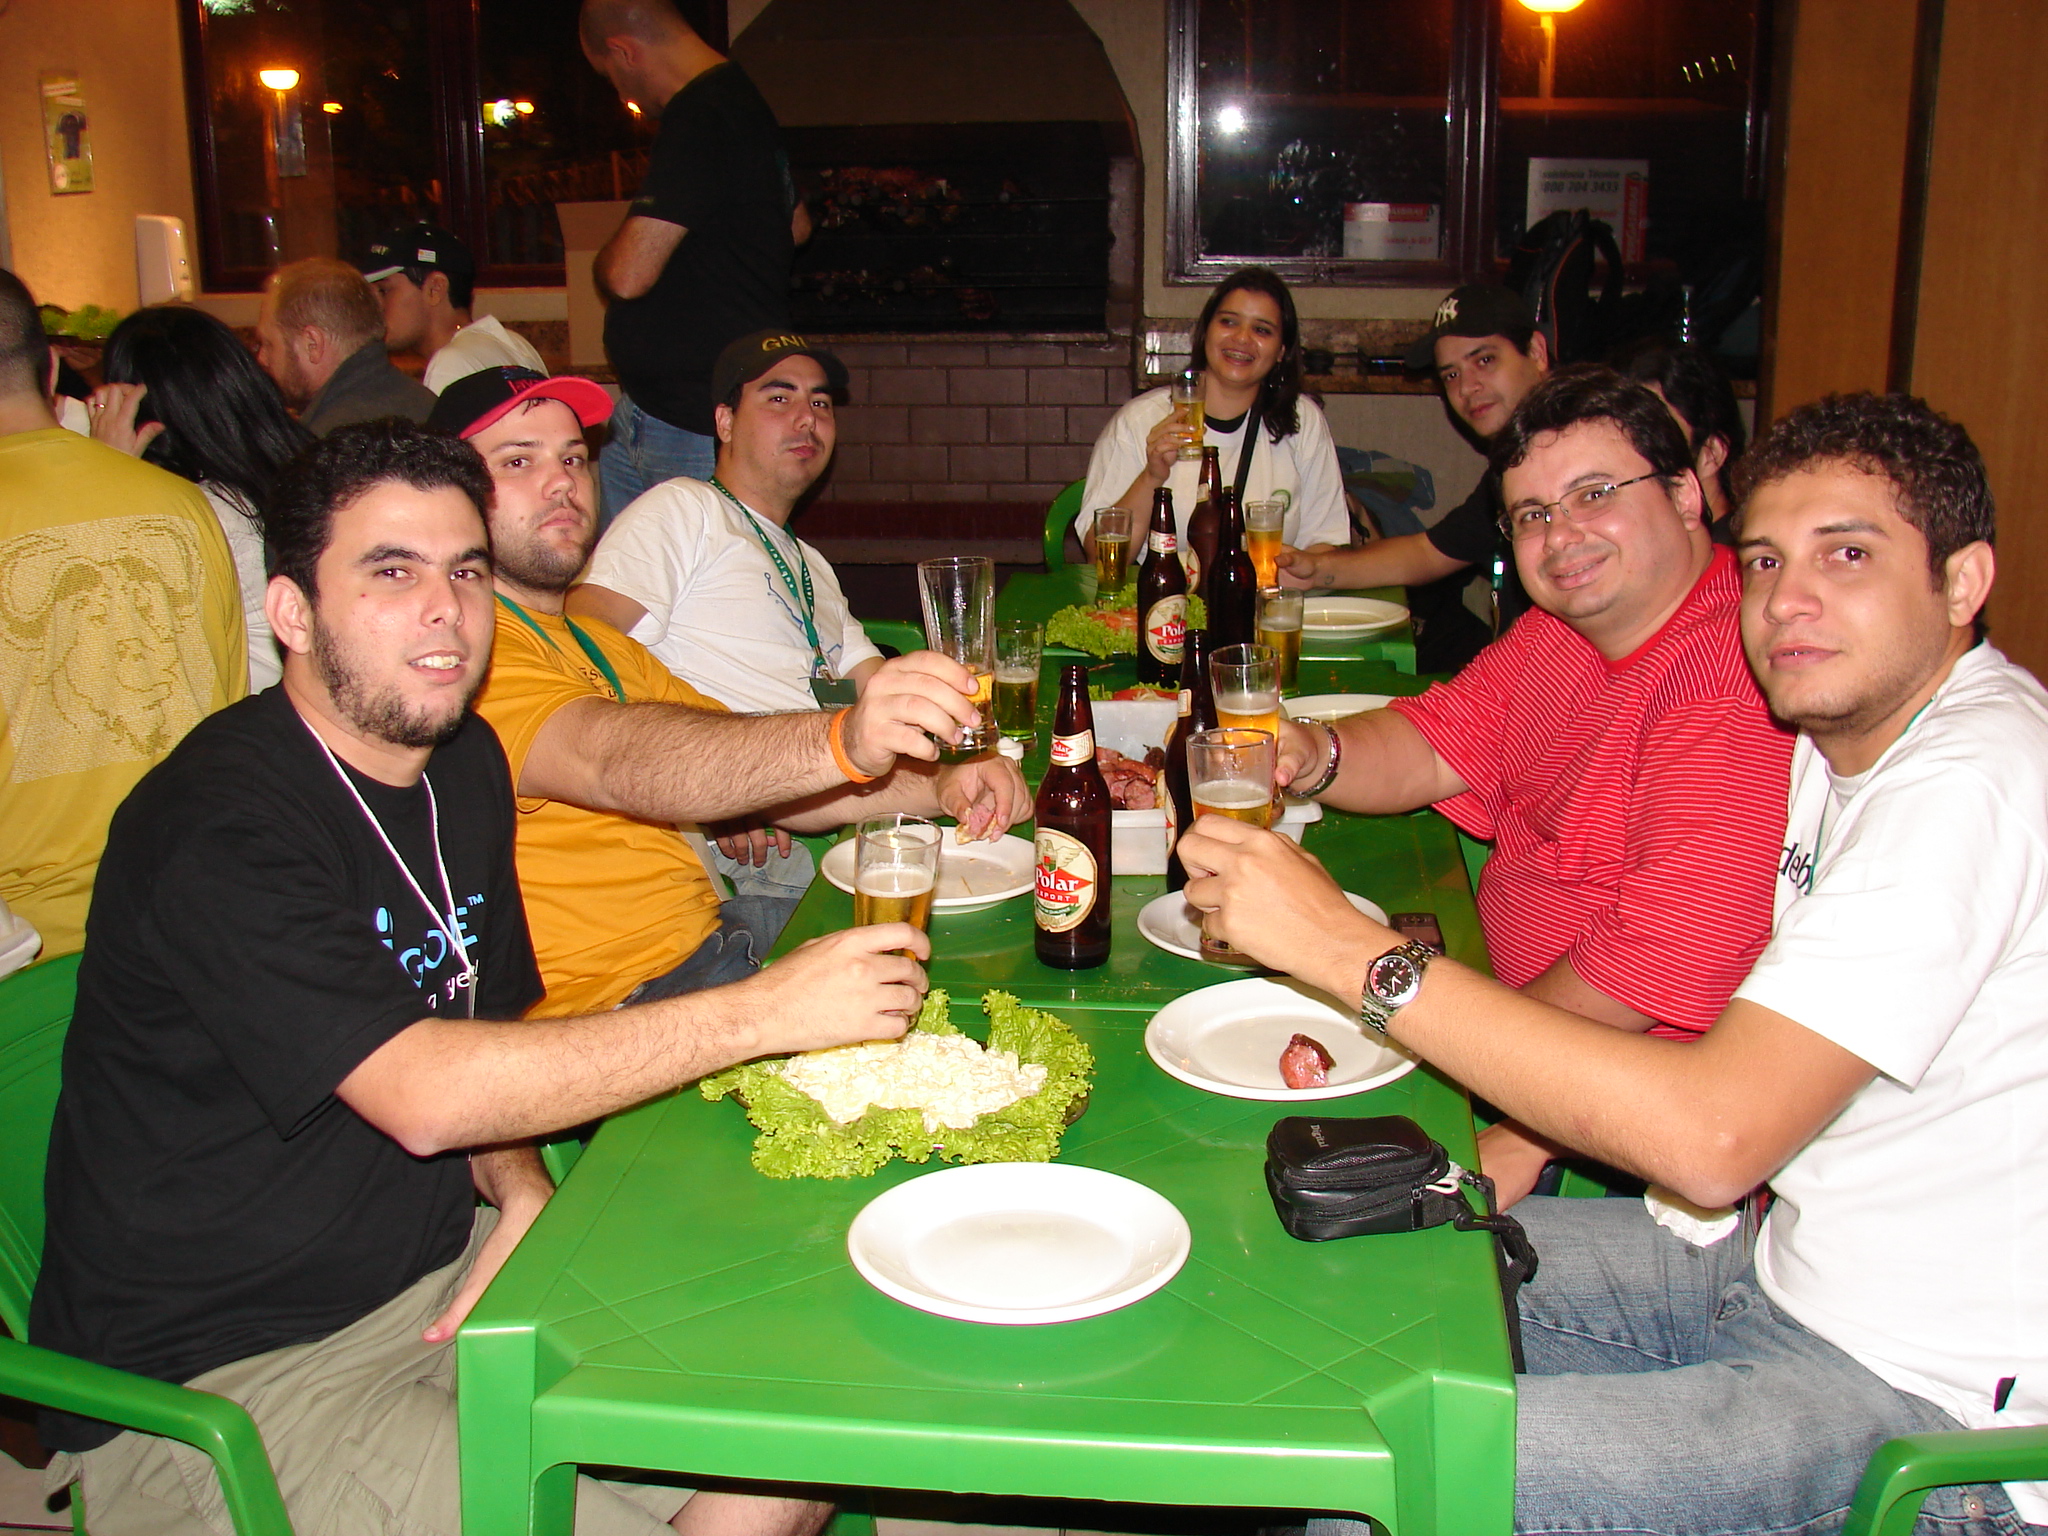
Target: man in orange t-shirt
[(609, 751)]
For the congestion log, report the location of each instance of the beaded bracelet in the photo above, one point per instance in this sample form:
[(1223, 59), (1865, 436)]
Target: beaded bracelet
[(1330, 768), (835, 738)]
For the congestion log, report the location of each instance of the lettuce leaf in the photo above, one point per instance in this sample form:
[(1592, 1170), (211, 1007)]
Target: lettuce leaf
[(1082, 627), (799, 1140)]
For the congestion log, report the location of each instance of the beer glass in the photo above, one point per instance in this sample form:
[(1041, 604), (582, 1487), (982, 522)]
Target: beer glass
[(1112, 553), (1230, 773), (959, 595), (1264, 522), (1020, 648), (1245, 680), (1280, 632), (1186, 394), (896, 870)]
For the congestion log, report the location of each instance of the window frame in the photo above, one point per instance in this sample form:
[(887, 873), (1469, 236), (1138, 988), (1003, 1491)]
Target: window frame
[(454, 78), (1471, 181)]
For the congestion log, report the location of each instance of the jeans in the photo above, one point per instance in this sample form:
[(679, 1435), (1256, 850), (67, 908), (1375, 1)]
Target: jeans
[(640, 452), (1666, 1394), (765, 896), (730, 952)]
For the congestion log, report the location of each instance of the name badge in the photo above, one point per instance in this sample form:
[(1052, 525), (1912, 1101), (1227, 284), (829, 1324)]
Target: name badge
[(832, 692)]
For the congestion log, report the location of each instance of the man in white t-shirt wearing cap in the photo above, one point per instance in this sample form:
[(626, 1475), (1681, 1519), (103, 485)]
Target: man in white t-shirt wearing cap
[(426, 280)]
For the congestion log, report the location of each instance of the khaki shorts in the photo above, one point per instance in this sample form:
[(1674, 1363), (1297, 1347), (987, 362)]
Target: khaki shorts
[(360, 1427)]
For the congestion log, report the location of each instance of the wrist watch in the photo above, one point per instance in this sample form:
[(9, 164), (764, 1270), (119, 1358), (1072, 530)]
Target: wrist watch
[(1391, 983)]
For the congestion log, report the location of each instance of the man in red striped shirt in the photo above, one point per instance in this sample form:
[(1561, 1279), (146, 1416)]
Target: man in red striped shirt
[(1612, 745)]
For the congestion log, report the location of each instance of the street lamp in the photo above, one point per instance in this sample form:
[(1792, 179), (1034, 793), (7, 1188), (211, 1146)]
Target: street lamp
[(1546, 11), (288, 134)]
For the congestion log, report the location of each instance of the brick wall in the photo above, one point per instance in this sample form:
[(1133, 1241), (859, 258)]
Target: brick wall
[(1005, 421)]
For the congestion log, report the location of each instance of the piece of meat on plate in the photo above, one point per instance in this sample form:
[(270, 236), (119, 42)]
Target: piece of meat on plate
[(1305, 1064)]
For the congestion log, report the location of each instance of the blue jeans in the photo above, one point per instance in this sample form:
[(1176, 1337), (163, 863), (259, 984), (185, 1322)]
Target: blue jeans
[(730, 952), (1666, 1394), (640, 452), (765, 896)]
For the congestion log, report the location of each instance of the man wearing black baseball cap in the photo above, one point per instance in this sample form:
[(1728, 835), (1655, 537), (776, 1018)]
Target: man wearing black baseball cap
[(610, 752), (426, 280), (1487, 355)]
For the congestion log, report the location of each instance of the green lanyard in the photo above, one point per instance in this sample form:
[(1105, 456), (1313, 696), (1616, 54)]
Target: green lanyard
[(598, 658), (805, 598)]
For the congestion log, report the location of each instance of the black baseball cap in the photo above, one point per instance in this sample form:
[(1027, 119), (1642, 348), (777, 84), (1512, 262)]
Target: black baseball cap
[(417, 250), (1477, 309), (745, 360), (473, 402)]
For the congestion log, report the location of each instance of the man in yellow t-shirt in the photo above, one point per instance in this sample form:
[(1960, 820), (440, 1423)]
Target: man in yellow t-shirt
[(120, 629), (609, 751)]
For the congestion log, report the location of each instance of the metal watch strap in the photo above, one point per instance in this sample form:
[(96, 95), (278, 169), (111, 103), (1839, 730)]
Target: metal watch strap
[(1374, 1011), (1336, 761)]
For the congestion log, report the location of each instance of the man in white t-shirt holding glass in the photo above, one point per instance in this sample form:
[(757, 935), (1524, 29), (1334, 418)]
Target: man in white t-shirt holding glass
[(1884, 1067), (707, 575)]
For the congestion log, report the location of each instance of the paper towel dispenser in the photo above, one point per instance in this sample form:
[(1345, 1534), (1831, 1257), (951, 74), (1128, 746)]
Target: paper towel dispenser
[(163, 270)]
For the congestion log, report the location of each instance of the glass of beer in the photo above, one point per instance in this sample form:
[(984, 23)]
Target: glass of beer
[(896, 870), (1112, 553), (1246, 682), (1230, 773), (1020, 648), (1280, 632), (1185, 392), (1264, 521), (959, 596)]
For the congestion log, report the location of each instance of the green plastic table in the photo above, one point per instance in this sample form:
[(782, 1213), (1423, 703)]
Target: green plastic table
[(674, 1310), (1041, 594)]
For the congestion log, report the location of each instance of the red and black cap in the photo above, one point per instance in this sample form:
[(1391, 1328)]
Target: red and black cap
[(473, 402)]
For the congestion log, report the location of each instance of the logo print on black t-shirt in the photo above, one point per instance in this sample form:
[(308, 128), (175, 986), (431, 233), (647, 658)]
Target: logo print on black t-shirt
[(426, 961)]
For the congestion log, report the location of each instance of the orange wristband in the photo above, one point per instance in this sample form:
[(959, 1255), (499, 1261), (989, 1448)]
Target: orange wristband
[(834, 739)]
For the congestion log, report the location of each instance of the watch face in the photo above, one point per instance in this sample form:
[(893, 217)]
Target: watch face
[(1395, 978)]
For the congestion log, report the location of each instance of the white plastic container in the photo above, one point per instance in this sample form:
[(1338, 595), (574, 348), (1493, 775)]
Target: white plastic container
[(1137, 839)]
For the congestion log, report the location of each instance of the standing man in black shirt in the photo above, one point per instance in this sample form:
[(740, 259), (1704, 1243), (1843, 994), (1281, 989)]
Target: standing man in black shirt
[(1487, 355), (703, 257), (296, 1013)]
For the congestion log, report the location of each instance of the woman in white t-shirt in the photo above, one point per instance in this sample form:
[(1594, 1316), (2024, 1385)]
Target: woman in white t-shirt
[(183, 393), (1249, 343)]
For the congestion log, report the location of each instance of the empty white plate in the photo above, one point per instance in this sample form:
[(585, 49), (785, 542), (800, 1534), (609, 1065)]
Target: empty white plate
[(1350, 615), (1169, 922), (971, 875), (1332, 707), (1228, 1039), (1018, 1242)]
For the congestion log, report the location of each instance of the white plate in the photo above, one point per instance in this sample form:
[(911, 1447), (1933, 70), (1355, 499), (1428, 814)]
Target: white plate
[(1018, 1242), (971, 875), (1228, 1039), (1332, 707), (1350, 615), (1169, 922)]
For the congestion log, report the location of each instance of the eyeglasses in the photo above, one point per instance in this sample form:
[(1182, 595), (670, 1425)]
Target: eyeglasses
[(1529, 518)]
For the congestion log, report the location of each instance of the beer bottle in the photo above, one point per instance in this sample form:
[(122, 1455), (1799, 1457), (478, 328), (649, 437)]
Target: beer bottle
[(1233, 583), (1162, 599), (1070, 897), (1197, 713), (1198, 553)]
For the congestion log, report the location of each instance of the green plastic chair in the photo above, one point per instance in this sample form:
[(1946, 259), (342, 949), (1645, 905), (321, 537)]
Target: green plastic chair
[(1901, 1473), (900, 633), (1059, 517), (35, 1010)]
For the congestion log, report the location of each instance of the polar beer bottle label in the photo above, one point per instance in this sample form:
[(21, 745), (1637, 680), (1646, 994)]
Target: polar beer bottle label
[(1069, 750), (1065, 883), (1166, 629)]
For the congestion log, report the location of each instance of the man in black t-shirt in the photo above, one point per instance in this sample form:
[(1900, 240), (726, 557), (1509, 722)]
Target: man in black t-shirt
[(1487, 354), (304, 965), (702, 258)]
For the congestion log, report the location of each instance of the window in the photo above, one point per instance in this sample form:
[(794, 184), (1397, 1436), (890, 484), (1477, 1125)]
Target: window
[(1412, 141), (319, 124)]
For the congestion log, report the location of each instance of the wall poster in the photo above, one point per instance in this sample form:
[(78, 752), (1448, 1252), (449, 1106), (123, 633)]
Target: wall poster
[(67, 134)]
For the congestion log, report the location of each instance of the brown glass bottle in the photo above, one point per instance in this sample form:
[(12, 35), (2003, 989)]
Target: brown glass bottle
[(1198, 550), (1070, 897), (1233, 583), (1162, 599), (1197, 713)]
